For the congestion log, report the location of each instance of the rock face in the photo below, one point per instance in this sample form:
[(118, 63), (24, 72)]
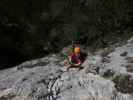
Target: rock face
[(102, 78)]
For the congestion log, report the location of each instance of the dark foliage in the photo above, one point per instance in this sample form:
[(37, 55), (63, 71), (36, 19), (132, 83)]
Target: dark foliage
[(124, 83)]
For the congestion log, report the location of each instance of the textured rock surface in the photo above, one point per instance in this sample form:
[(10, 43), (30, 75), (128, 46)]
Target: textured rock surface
[(102, 78)]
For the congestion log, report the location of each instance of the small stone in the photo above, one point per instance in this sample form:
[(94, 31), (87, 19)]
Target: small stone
[(129, 59), (130, 67), (109, 73), (124, 54), (106, 59)]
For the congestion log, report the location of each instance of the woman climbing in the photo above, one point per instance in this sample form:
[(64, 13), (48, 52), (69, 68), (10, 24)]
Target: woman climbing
[(76, 58)]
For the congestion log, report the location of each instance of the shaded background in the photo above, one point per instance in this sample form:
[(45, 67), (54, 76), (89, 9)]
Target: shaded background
[(34, 28)]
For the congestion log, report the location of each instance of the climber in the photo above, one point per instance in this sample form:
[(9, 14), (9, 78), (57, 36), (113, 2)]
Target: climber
[(76, 58)]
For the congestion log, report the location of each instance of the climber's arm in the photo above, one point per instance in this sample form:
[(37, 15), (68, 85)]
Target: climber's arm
[(78, 64)]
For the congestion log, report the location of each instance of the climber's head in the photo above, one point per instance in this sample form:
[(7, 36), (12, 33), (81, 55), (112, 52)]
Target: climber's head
[(77, 50)]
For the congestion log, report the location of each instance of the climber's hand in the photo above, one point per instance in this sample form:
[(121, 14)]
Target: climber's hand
[(66, 62)]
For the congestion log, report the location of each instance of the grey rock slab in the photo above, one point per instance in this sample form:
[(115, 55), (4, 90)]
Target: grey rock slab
[(44, 78)]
